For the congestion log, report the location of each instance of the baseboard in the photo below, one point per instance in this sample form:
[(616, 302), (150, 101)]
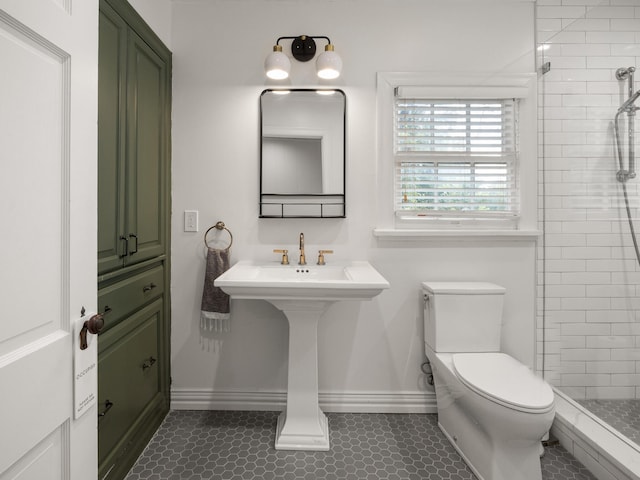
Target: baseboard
[(207, 399), (353, 402)]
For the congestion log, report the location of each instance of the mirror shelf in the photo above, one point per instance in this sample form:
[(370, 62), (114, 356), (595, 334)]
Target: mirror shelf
[(305, 206)]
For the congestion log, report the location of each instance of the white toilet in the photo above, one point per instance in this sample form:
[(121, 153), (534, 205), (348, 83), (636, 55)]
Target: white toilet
[(493, 409)]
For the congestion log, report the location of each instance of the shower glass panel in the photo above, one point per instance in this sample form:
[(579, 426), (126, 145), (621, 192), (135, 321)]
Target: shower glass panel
[(589, 276)]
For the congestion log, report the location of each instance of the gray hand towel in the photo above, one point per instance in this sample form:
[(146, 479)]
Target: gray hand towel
[(215, 310)]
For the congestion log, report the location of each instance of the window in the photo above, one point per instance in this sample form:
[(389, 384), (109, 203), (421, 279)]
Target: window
[(456, 158)]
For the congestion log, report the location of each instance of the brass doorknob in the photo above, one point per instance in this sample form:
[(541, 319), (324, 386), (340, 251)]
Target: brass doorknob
[(93, 325)]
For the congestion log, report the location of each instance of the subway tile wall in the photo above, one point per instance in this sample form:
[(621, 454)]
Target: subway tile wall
[(588, 278)]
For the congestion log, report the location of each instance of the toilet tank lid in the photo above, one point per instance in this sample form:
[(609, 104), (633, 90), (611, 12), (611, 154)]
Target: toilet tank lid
[(460, 288)]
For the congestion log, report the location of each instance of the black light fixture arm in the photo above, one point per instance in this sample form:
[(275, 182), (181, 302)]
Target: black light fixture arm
[(303, 36), (303, 47)]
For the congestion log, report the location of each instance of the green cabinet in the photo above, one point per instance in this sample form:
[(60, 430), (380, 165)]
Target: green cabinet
[(133, 144), (134, 98)]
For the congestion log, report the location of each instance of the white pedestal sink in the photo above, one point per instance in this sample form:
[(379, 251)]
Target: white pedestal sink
[(302, 293)]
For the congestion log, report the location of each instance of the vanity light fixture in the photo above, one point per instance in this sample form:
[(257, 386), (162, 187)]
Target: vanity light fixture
[(303, 48)]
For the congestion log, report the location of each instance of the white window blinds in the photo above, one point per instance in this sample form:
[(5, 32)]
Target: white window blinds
[(456, 157)]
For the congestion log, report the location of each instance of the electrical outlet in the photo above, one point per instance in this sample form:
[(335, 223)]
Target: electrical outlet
[(190, 220)]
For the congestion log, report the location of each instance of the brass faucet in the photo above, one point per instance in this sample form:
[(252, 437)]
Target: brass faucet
[(303, 260)]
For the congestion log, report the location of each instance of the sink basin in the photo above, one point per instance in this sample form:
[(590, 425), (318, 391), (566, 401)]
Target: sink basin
[(303, 294), (305, 273), (355, 280)]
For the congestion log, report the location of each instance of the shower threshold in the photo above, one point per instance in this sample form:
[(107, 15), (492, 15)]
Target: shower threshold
[(590, 440)]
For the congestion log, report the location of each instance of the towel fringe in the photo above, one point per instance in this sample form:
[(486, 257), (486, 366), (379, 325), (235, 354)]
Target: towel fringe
[(215, 321)]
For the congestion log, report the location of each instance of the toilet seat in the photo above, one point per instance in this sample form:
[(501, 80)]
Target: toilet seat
[(503, 380)]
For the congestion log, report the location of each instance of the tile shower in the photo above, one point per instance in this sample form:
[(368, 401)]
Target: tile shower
[(588, 274)]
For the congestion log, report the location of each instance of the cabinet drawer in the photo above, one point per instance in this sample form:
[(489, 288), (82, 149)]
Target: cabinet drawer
[(129, 379), (124, 297)]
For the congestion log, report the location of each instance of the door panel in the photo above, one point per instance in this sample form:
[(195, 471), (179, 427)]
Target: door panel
[(44, 460), (45, 398), (48, 93), (34, 168)]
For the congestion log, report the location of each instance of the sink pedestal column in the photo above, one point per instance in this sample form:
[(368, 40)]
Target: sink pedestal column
[(302, 425)]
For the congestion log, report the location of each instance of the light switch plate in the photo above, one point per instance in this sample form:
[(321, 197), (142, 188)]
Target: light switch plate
[(190, 220)]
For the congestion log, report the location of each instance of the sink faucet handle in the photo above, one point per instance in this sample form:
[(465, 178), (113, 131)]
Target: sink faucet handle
[(321, 256), (285, 256)]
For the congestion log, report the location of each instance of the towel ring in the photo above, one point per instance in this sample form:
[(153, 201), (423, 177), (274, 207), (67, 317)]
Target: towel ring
[(219, 226)]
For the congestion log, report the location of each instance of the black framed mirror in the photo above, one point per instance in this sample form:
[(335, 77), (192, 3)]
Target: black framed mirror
[(302, 153)]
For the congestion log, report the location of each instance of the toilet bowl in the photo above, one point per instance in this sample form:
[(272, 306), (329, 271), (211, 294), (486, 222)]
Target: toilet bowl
[(493, 409)]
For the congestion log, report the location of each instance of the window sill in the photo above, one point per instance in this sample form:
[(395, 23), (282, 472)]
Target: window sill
[(456, 235)]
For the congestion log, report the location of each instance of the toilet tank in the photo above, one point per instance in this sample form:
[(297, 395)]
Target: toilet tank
[(463, 316)]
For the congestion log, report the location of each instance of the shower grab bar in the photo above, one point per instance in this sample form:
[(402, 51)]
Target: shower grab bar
[(630, 173)]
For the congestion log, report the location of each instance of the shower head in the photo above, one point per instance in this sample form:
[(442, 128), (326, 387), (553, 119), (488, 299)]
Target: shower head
[(623, 73), (626, 106)]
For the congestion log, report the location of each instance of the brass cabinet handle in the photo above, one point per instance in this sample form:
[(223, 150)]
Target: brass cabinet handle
[(148, 363), (107, 406), (148, 288)]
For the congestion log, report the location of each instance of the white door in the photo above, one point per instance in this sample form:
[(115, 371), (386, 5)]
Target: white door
[(48, 112)]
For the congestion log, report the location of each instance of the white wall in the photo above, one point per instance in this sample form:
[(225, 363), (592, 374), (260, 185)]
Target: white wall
[(157, 13), (591, 274), (370, 351)]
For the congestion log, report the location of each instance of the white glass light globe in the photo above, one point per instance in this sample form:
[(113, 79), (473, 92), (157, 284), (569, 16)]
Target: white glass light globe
[(329, 64), (277, 65)]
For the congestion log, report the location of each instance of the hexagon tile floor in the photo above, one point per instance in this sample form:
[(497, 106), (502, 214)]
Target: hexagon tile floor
[(623, 415), (233, 445)]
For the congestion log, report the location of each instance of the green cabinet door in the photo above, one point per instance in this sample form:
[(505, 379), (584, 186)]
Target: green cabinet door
[(111, 135), (129, 384), (146, 150)]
